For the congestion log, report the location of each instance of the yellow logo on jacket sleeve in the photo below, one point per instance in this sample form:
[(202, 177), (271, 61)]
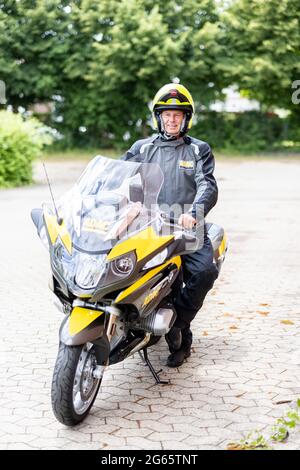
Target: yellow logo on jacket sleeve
[(186, 164)]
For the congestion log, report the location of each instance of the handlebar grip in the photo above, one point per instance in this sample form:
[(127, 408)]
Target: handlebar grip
[(175, 221)]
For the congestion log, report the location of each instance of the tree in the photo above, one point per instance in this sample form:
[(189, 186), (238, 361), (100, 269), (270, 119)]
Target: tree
[(263, 44), (126, 70), (100, 63), (33, 46), (147, 47)]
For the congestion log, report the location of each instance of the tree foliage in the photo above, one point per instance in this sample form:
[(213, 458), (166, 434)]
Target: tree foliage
[(100, 63), (263, 41)]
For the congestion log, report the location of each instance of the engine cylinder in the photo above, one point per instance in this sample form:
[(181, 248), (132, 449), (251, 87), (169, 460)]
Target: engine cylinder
[(158, 322)]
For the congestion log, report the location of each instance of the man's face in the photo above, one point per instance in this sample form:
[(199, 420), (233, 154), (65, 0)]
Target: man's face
[(172, 120)]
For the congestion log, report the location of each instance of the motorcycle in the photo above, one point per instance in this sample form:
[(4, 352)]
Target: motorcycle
[(116, 263)]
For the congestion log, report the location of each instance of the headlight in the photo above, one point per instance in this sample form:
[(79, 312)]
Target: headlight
[(61, 258), (82, 268), (158, 259), (124, 265), (89, 270)]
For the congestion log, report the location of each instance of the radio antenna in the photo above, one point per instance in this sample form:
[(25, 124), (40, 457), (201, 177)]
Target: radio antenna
[(59, 219)]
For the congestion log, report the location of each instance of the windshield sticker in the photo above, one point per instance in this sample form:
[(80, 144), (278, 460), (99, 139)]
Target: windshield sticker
[(94, 225)]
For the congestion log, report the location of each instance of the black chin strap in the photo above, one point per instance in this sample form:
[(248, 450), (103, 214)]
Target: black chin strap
[(166, 136)]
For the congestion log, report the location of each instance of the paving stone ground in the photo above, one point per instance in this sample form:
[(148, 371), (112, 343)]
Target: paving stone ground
[(246, 351)]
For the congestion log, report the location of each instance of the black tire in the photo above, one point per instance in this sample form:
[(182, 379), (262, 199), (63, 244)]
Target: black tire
[(63, 382)]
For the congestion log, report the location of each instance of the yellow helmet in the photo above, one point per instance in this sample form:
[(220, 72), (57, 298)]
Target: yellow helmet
[(173, 96)]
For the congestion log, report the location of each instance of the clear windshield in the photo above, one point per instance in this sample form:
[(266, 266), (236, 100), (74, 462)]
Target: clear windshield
[(111, 201), (109, 196)]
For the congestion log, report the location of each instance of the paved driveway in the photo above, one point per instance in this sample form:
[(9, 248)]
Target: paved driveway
[(246, 352)]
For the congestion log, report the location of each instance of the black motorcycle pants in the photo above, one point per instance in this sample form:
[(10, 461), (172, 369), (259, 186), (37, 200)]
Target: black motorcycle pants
[(198, 273)]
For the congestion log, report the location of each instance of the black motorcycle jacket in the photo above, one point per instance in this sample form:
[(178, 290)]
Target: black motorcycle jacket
[(187, 164)]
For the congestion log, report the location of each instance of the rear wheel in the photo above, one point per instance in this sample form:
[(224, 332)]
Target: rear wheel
[(75, 384)]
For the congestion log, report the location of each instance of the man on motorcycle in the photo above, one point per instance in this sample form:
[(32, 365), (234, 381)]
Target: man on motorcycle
[(188, 165)]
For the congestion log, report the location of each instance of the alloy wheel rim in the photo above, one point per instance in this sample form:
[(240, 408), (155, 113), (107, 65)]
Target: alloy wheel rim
[(85, 385)]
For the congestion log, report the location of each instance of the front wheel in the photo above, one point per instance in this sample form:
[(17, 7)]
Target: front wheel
[(75, 383)]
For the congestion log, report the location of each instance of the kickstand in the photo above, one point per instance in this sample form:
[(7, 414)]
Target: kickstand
[(153, 372)]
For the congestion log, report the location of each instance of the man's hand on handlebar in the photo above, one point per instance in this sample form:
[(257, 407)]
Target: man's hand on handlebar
[(187, 221)]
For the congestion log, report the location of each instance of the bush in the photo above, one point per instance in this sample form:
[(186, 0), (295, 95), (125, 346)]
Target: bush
[(244, 132), (250, 131), (20, 143)]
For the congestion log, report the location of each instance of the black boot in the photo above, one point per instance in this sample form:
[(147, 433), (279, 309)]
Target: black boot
[(174, 338), (177, 358)]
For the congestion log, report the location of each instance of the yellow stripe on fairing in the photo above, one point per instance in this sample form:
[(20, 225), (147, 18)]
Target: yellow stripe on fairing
[(144, 243), (222, 246), (80, 318), (146, 277)]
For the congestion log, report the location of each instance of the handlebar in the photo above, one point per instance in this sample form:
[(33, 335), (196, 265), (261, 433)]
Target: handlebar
[(175, 221)]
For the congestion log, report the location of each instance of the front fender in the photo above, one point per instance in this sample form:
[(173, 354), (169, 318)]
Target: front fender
[(83, 325)]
